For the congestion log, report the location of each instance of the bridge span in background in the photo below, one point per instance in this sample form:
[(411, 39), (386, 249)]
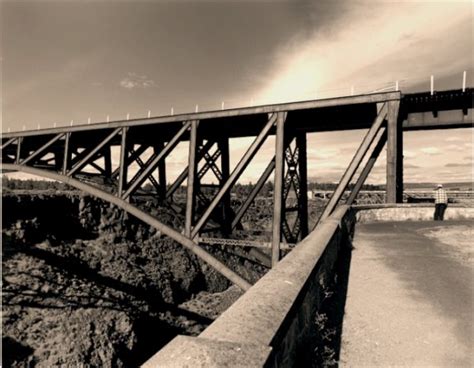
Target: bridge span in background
[(81, 156)]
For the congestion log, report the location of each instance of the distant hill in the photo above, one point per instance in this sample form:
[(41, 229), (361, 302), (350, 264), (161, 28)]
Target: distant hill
[(407, 186), (456, 185)]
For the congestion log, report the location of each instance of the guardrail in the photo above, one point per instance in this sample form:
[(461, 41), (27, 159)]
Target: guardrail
[(270, 324)]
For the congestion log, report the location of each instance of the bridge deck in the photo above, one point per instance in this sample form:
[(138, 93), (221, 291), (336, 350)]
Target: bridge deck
[(410, 296)]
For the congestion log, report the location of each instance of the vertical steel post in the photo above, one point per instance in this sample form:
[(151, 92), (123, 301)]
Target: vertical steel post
[(18, 150), (123, 168), (67, 153), (223, 146), (303, 171), (192, 171), (278, 186), (394, 154), (108, 162), (161, 171)]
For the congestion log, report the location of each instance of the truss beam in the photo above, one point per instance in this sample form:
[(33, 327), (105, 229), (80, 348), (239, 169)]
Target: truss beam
[(356, 160), (368, 167), (254, 147), (93, 152), (191, 185), (150, 220), (155, 162), (278, 187), (256, 189), (42, 149), (7, 143), (184, 174)]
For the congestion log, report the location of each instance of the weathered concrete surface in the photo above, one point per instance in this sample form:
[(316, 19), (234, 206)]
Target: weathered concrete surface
[(410, 296), (410, 212), (196, 352), (278, 312)]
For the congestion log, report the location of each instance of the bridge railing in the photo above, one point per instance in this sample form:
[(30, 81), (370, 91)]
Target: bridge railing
[(270, 324)]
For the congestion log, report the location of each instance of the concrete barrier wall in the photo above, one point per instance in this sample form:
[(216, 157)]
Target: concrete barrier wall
[(270, 324), (409, 212)]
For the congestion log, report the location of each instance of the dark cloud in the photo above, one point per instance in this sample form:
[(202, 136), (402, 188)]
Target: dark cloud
[(458, 165), (200, 52)]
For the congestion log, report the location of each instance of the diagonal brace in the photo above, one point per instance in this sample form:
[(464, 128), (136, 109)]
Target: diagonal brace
[(152, 165), (368, 167), (141, 215), (256, 189), (356, 160), (42, 148), (7, 143), (93, 152), (134, 154), (252, 150), (182, 177)]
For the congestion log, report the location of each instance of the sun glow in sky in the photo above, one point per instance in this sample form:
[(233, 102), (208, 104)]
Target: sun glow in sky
[(72, 60), (370, 46)]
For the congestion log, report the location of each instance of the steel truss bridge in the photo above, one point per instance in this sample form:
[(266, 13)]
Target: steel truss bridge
[(81, 156)]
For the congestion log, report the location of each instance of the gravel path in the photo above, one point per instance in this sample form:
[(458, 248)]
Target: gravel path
[(410, 296)]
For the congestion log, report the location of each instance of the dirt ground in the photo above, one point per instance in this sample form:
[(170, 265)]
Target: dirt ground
[(410, 296), (85, 285)]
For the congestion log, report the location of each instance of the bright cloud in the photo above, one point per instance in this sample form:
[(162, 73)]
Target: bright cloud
[(373, 43), (134, 80), (430, 150)]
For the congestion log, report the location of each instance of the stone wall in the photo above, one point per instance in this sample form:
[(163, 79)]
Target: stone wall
[(410, 212), (271, 323)]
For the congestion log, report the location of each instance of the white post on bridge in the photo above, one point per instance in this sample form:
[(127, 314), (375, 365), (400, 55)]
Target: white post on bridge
[(128, 116), (432, 85), (222, 105), (464, 81), (149, 114), (197, 108), (352, 90), (54, 125), (396, 85), (88, 121), (172, 110), (108, 118), (72, 122)]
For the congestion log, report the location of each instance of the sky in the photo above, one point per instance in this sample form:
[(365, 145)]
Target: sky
[(71, 60)]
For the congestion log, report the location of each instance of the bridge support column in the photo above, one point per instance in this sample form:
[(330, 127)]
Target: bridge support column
[(192, 173), (294, 221), (18, 150), (394, 154), (303, 184), (123, 168), (223, 146), (108, 162), (278, 187), (161, 172)]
